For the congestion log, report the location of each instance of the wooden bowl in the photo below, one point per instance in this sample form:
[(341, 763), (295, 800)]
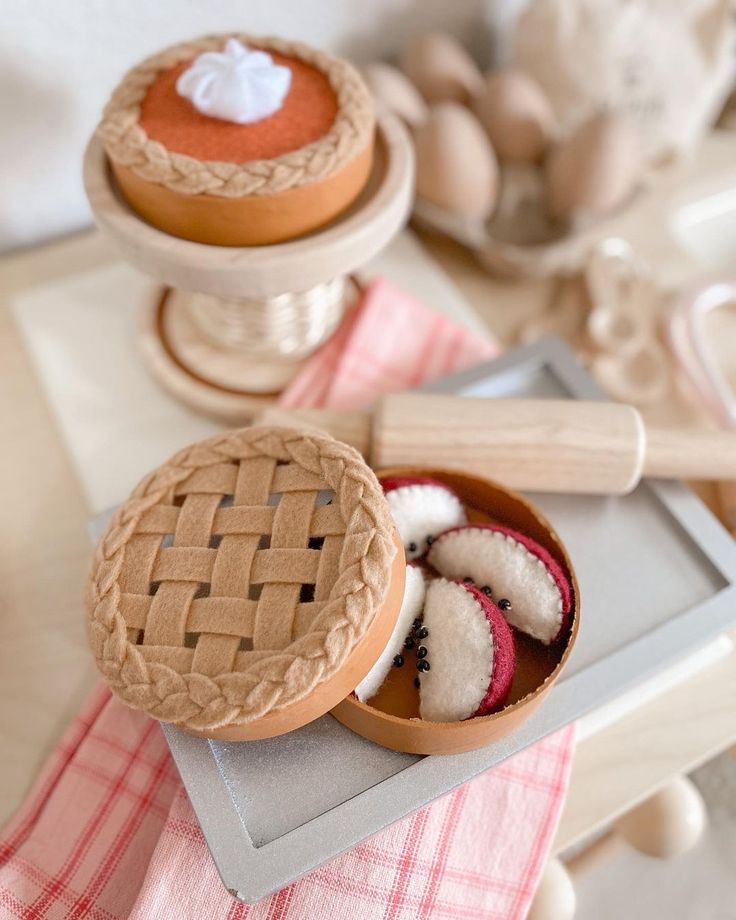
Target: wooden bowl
[(391, 718)]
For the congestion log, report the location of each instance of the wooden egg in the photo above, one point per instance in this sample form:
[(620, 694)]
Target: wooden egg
[(595, 169), (668, 823), (555, 897), (440, 68), (516, 114), (456, 166), (393, 90)]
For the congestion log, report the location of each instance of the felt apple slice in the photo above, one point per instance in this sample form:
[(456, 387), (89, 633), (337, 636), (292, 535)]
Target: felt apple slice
[(527, 584), (470, 656), (411, 609), (421, 508)]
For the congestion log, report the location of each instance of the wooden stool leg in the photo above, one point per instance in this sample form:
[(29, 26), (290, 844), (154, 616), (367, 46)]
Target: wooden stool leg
[(555, 895), (667, 824)]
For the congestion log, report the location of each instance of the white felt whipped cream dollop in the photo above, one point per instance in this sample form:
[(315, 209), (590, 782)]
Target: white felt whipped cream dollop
[(236, 84)]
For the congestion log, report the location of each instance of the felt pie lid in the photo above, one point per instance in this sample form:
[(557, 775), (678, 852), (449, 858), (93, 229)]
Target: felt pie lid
[(247, 585)]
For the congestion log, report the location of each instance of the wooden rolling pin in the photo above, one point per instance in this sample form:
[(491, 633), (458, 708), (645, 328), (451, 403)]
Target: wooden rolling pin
[(542, 445)]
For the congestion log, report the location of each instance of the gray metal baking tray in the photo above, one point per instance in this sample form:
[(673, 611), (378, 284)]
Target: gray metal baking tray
[(657, 574)]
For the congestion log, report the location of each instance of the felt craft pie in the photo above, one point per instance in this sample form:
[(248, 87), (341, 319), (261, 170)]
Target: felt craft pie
[(421, 507), (248, 585), (470, 654), (527, 584), (238, 141)]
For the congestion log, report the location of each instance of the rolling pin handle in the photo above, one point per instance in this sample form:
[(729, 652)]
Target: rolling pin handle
[(690, 454)]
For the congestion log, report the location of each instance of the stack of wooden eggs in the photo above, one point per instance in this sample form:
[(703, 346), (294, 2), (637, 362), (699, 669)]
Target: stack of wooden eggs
[(476, 134)]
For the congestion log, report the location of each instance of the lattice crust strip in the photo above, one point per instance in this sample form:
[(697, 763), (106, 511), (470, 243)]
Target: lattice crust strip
[(239, 575)]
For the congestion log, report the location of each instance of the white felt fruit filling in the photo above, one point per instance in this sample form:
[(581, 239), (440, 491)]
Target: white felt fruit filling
[(495, 559), (460, 652), (422, 510), (411, 609)]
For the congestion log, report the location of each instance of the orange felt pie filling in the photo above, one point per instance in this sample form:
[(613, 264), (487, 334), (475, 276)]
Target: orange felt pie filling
[(306, 116)]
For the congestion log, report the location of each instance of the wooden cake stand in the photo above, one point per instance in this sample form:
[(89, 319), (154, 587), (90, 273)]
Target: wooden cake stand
[(233, 325)]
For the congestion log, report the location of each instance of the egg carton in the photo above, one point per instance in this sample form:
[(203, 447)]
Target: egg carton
[(581, 147), (521, 242), (492, 145)]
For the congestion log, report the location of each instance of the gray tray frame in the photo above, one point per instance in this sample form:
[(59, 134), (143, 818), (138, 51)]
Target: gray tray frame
[(252, 872)]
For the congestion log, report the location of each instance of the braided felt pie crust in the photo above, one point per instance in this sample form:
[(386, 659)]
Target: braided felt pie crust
[(239, 576)]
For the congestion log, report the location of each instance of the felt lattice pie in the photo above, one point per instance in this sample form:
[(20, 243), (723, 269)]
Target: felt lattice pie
[(242, 577)]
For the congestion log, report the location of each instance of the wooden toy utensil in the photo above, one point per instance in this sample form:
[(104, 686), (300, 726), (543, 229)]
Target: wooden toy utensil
[(543, 445)]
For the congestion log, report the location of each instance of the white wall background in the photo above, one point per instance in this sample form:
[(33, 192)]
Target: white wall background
[(59, 60)]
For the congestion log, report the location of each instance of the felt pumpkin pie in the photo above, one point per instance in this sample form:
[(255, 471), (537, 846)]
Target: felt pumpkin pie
[(248, 585), (240, 141)]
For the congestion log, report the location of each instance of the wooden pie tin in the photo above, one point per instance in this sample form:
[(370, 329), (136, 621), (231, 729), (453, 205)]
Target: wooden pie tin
[(250, 220), (391, 718)]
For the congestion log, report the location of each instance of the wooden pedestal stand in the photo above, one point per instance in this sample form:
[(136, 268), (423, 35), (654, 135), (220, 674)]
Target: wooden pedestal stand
[(233, 325)]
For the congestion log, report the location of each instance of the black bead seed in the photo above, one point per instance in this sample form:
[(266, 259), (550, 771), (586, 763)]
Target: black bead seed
[(422, 651), (422, 633), (430, 539), (487, 590), (398, 661), (412, 547), (423, 665), (409, 642), (468, 580), (504, 604), (417, 623), (417, 683)]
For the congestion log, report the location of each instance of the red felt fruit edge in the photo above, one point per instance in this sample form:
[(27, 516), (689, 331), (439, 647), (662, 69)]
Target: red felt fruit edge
[(504, 654)]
